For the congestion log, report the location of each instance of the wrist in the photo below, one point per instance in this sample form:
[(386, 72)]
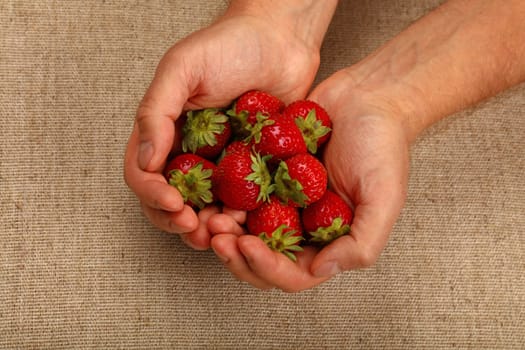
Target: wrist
[(447, 61), (306, 20), (388, 95)]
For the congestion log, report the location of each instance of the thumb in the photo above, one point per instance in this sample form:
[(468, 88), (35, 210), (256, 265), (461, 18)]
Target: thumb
[(161, 105), (374, 218), (370, 232)]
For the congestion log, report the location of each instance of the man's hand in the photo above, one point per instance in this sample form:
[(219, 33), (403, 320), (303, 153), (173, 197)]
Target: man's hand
[(367, 163), (459, 54), (254, 45)]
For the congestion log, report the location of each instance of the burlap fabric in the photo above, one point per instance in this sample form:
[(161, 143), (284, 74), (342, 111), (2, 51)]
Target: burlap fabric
[(80, 267)]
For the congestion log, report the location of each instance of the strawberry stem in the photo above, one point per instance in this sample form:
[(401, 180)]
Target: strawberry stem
[(255, 130), (201, 128), (282, 241), (324, 235), (312, 130), (288, 189), (261, 176), (194, 186)]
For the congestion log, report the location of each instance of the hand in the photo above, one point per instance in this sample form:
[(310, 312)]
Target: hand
[(246, 49), (367, 162), (378, 106)]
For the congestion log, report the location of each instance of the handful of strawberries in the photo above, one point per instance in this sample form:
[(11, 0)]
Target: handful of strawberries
[(262, 157)]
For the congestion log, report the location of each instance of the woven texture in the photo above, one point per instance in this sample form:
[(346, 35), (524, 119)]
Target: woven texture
[(80, 267)]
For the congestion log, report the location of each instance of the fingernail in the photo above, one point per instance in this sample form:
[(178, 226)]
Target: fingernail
[(327, 269), (145, 154)]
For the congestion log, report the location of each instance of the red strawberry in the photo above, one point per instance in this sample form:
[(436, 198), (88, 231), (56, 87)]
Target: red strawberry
[(278, 225), (258, 101), (206, 132), (300, 180), (276, 136), (327, 219), (272, 214), (248, 105), (312, 120), (238, 146), (242, 180), (191, 175)]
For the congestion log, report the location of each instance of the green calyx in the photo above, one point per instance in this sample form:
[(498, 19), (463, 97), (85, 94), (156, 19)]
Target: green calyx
[(324, 235), (201, 128), (312, 130), (238, 121), (255, 130), (261, 176), (288, 189), (194, 186), (282, 241)]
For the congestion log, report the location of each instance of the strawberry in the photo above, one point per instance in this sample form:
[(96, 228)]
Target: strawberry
[(278, 225), (248, 105), (191, 175), (242, 180), (327, 219), (277, 136), (206, 132), (234, 147), (272, 214), (313, 121), (238, 146), (258, 101), (300, 180)]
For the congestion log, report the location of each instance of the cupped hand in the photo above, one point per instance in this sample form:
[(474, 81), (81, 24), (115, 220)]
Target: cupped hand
[(209, 68), (367, 159)]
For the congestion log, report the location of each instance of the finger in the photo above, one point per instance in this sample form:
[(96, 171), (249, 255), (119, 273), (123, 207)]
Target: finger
[(376, 183), (226, 248), (200, 238), (160, 107), (276, 269), (151, 188), (182, 221), (370, 231), (224, 223), (238, 215)]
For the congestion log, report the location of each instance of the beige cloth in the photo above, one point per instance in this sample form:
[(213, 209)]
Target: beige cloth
[(80, 267)]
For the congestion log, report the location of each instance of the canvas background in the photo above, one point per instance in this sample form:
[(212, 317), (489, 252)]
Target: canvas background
[(80, 267)]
